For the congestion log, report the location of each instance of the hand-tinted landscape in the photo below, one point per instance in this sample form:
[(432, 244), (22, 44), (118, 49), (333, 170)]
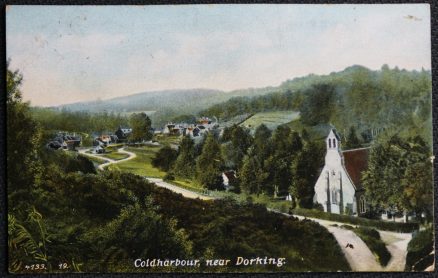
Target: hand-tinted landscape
[(294, 159)]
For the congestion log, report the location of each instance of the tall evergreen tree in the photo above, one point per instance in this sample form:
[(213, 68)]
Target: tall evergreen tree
[(23, 141), (185, 164), (141, 125), (239, 142), (252, 175), (305, 171), (209, 165), (286, 145)]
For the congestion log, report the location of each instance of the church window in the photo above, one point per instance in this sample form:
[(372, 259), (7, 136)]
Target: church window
[(335, 198), (334, 143), (330, 143), (362, 207)]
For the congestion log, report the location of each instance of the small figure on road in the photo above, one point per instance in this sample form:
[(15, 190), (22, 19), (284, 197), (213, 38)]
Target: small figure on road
[(349, 245)]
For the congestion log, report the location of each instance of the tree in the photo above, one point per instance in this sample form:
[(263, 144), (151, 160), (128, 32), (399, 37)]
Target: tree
[(234, 151), (251, 175), (141, 125), (286, 146), (305, 172), (118, 241), (418, 185), (352, 139), (209, 165), (23, 140), (164, 158), (318, 104), (185, 163), (399, 177)]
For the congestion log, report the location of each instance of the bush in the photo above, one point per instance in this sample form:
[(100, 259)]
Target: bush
[(169, 177), (418, 249), (378, 224), (347, 227), (318, 207)]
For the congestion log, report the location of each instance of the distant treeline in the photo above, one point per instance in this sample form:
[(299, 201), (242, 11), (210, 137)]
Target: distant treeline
[(87, 122), (374, 100)]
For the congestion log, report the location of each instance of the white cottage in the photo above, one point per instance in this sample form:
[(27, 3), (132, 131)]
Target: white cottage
[(339, 189)]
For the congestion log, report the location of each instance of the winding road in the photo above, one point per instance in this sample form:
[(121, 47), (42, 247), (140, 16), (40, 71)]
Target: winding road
[(109, 161), (159, 182)]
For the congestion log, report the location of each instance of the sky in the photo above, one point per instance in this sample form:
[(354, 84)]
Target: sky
[(80, 53)]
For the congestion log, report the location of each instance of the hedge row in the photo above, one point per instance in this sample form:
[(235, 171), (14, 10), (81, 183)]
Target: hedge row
[(378, 224), (419, 249)]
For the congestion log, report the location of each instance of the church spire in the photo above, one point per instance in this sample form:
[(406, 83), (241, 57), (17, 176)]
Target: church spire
[(333, 141)]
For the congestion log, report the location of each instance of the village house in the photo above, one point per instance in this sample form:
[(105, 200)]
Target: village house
[(339, 188), (203, 126), (66, 141), (122, 133), (174, 129)]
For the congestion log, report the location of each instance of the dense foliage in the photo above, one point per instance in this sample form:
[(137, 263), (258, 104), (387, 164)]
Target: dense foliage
[(419, 255), (165, 158), (209, 165), (141, 127), (399, 176), (78, 121), (390, 99), (104, 222)]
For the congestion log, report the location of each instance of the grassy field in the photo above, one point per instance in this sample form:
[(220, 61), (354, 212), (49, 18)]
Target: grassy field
[(141, 165), (187, 184), (96, 160), (115, 155), (167, 139), (271, 119)]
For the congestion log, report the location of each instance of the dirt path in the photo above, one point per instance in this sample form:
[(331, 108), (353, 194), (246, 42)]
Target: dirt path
[(176, 189), (109, 160), (397, 245), (360, 257)]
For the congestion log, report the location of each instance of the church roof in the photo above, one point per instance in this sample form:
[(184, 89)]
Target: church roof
[(356, 161), (336, 134)]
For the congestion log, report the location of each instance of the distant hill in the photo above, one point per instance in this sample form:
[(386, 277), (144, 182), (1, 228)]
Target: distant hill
[(179, 101), (395, 100)]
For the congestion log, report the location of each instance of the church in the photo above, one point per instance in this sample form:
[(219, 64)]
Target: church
[(338, 188)]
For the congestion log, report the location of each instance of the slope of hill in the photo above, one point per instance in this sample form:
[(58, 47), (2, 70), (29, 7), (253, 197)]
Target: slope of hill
[(370, 100), (180, 101)]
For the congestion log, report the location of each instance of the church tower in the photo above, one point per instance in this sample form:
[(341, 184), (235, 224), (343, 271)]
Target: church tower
[(333, 156)]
